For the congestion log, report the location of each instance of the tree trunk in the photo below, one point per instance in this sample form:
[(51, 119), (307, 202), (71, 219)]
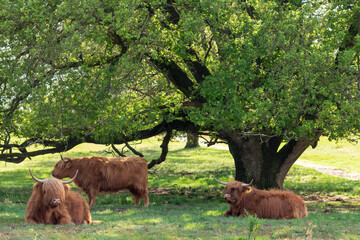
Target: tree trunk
[(192, 141), (259, 158)]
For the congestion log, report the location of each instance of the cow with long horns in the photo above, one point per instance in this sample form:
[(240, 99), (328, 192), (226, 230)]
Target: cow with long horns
[(52, 202), (275, 204), (102, 174)]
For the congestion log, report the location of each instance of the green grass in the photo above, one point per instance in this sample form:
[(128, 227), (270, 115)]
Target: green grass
[(185, 202)]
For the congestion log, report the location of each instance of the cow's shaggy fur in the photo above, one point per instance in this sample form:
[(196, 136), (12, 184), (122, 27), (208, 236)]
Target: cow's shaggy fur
[(276, 204), (102, 174), (52, 202)]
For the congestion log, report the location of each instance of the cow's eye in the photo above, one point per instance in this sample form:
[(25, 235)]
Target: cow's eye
[(232, 189)]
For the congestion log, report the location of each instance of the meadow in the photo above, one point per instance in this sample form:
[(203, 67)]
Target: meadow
[(185, 201)]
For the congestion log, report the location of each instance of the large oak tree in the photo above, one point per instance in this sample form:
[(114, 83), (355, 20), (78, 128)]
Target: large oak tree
[(252, 73)]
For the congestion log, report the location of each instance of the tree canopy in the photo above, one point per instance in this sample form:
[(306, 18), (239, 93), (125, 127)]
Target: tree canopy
[(252, 73)]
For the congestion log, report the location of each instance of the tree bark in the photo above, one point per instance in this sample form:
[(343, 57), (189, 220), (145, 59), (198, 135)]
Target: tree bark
[(259, 158), (192, 140)]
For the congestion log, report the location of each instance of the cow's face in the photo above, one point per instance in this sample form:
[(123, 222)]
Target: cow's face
[(53, 192), (234, 191), (63, 169)]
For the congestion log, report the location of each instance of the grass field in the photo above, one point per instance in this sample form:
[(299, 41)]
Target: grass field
[(186, 203)]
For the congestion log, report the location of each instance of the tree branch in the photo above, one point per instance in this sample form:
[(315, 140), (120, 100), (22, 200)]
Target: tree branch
[(61, 146), (133, 150), (18, 157), (198, 70), (293, 150), (117, 151), (164, 151), (175, 75)]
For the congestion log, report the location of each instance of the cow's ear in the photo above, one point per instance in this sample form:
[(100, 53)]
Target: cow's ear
[(246, 189), (37, 187), (66, 187), (68, 164)]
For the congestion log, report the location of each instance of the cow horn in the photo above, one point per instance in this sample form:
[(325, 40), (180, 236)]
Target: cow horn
[(71, 180), (63, 159), (36, 179), (247, 184), (220, 181)]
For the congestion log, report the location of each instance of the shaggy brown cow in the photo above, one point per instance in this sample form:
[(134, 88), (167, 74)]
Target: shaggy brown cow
[(52, 202), (275, 204), (102, 174)]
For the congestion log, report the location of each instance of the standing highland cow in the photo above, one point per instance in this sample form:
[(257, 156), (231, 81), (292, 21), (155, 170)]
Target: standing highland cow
[(52, 202), (102, 174), (276, 204)]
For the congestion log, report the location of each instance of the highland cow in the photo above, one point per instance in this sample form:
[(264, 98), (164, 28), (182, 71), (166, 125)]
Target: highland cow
[(52, 202), (102, 174), (275, 204)]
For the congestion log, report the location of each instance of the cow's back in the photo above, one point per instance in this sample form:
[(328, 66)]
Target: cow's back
[(278, 204), (112, 174), (124, 173)]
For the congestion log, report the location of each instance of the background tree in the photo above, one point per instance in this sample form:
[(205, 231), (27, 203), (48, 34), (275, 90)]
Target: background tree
[(192, 140), (255, 74)]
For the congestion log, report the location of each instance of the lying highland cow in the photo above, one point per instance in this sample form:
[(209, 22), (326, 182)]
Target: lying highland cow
[(102, 174), (52, 202), (275, 204)]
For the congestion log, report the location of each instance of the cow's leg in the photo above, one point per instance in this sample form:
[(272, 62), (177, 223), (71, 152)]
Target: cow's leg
[(87, 218), (65, 220), (30, 220), (136, 195), (52, 217), (93, 192), (144, 195), (89, 198), (60, 217), (227, 213), (145, 198)]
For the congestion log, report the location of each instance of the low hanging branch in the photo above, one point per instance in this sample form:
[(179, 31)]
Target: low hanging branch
[(18, 157), (133, 150), (121, 154), (211, 142), (17, 153), (164, 151)]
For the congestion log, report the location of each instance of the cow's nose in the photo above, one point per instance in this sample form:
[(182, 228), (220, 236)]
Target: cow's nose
[(226, 195), (55, 201)]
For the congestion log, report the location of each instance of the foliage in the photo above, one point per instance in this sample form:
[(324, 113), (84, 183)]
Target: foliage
[(70, 69), (185, 202)]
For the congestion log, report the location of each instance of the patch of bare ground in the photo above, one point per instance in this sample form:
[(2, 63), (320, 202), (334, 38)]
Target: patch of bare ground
[(160, 191), (326, 199), (329, 170), (330, 204)]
